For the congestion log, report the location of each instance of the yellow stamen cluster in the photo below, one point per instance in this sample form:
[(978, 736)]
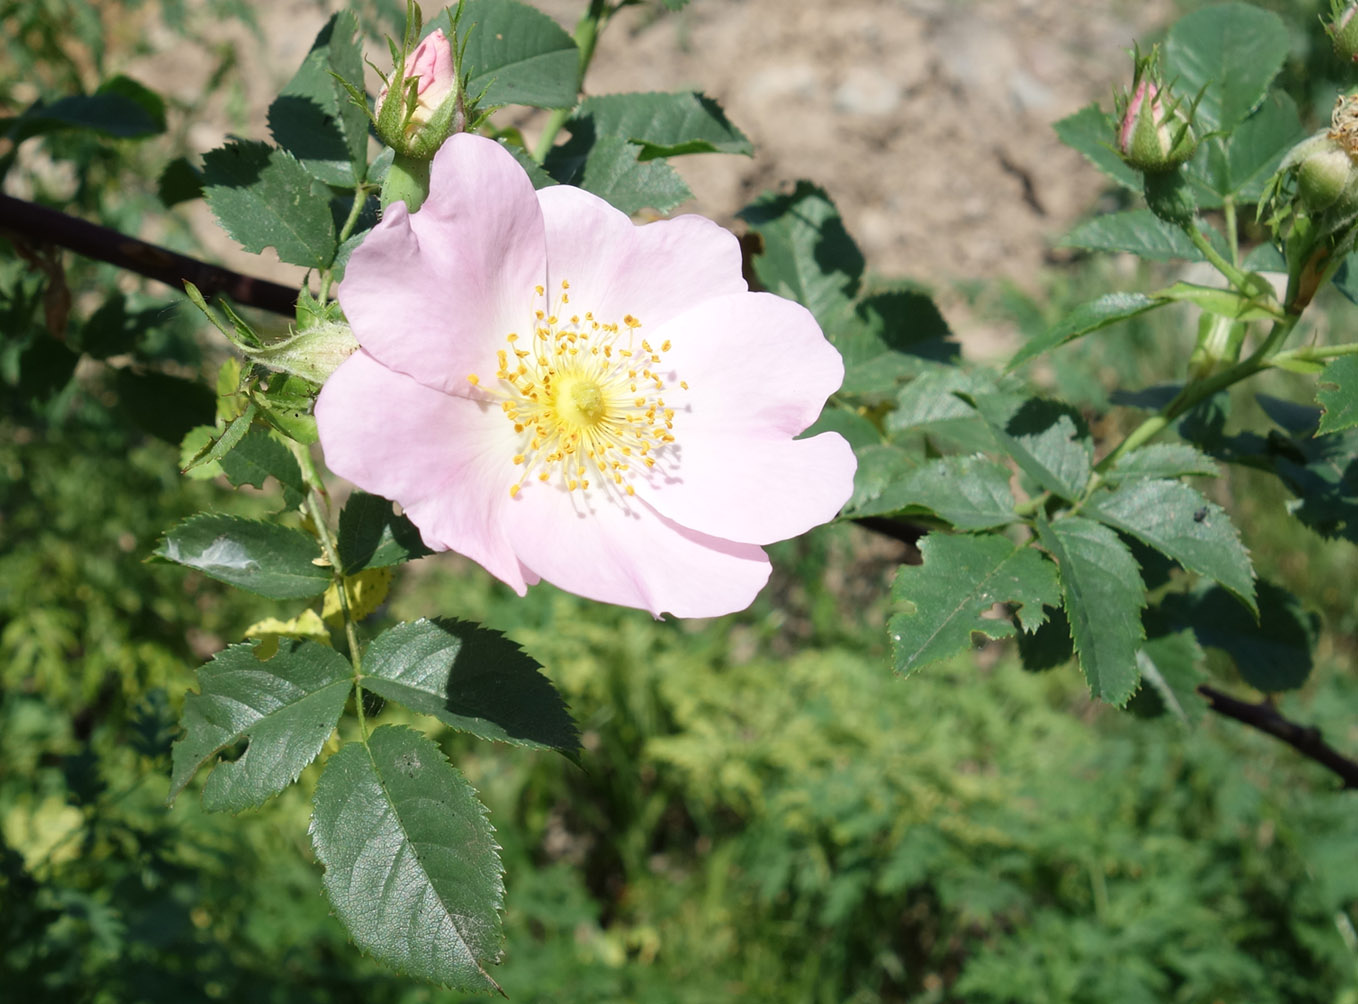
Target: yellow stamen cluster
[(586, 397)]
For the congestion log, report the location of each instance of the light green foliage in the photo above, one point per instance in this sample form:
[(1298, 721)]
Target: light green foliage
[(263, 557), (1107, 309), (410, 861)]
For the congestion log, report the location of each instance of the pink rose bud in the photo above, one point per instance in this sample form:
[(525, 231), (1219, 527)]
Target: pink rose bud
[(1343, 30), (418, 128), (1154, 133)]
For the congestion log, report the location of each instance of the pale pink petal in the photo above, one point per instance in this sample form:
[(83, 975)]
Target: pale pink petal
[(433, 294), (754, 490), (445, 459), (615, 268), (589, 544), (755, 364)]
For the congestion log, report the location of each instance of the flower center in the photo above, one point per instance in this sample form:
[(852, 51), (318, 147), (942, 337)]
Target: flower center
[(586, 398)]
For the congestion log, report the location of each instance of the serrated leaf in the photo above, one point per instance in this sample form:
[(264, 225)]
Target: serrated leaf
[(971, 493), (120, 108), (518, 56), (1161, 460), (286, 707), (223, 444), (1103, 596), (286, 405), (1272, 653), (1179, 521), (264, 197), (472, 679), (264, 558), (1169, 666), (411, 864), (1047, 439), (364, 592), (1231, 52), (891, 335), (371, 535), (1107, 309), (270, 631), (612, 171), (1091, 131), (1140, 232), (961, 578), (808, 256), (664, 125), (880, 465), (1239, 166), (179, 182), (258, 456), (314, 119), (1049, 645), (1340, 403)]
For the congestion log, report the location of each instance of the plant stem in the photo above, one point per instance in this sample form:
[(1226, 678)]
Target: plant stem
[(1314, 354), (1232, 229), (1200, 241), (586, 37), (360, 198)]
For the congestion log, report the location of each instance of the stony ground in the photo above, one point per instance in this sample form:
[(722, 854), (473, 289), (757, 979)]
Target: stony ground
[(929, 121)]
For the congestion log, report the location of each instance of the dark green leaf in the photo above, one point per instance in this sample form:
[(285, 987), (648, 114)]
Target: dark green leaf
[(534, 170), (411, 864), (613, 172), (1161, 460), (664, 125), (891, 335), (264, 197), (314, 118), (1230, 52), (880, 465), (1092, 132), (808, 256), (1170, 674), (121, 108), (1103, 598), (1139, 231), (1273, 653), (371, 535), (165, 406), (1341, 402), (971, 493), (259, 455), (857, 430), (1240, 165), (1049, 646), (963, 577), (223, 444), (264, 558), (519, 56), (1107, 309), (112, 331), (179, 182), (46, 367), (286, 707), (472, 679), (1179, 521), (1047, 439)]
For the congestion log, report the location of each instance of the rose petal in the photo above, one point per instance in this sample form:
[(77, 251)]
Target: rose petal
[(615, 268), (433, 294), (754, 490), (444, 458), (587, 543), (756, 365)]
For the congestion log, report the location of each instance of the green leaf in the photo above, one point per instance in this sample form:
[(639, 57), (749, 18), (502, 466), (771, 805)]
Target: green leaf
[(808, 256), (223, 444), (664, 125), (411, 864), (539, 177), (264, 558), (1161, 460), (1142, 233), (165, 406), (1179, 521), (518, 56), (314, 118), (472, 679), (179, 182), (121, 108), (1239, 166), (971, 493), (286, 707), (286, 405), (1272, 653), (1223, 302), (1092, 132), (1231, 52), (880, 465), (1169, 665), (263, 197), (1103, 597), (961, 578), (1049, 646), (1341, 403), (1047, 439), (371, 535), (612, 171), (891, 335), (259, 455), (1107, 309)]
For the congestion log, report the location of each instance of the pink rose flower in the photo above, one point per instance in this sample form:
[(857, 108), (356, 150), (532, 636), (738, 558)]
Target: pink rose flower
[(432, 63), (560, 394)]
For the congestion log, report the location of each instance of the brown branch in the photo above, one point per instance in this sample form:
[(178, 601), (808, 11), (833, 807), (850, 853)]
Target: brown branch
[(38, 225), (1305, 739)]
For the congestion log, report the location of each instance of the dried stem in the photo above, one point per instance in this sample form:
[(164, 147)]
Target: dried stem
[(1305, 739)]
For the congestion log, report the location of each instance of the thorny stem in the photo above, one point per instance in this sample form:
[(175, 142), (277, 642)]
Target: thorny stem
[(1305, 739), (360, 198), (314, 506), (586, 37)]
